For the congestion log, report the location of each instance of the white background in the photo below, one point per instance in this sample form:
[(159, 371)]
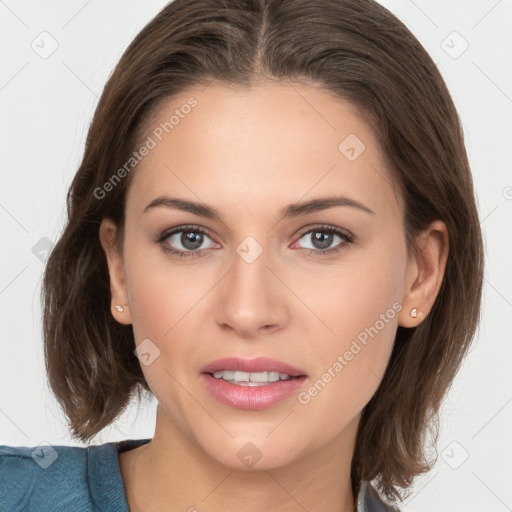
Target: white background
[(46, 107)]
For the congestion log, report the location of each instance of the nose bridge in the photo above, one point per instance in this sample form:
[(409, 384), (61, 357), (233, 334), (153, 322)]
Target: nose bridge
[(251, 299)]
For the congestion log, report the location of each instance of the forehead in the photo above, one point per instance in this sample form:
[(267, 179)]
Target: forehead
[(287, 140)]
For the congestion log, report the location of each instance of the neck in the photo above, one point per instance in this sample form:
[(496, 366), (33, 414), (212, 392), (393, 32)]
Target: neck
[(173, 471)]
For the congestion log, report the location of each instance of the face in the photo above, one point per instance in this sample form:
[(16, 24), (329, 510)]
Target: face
[(318, 288)]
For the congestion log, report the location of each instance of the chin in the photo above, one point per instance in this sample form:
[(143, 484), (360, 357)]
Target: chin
[(256, 453)]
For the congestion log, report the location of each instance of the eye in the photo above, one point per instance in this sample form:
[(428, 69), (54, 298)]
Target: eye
[(325, 239), (186, 241)]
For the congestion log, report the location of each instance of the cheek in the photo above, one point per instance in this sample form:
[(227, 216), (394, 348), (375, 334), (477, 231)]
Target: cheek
[(161, 298), (162, 310), (375, 301), (166, 301), (155, 308), (353, 295), (362, 309)]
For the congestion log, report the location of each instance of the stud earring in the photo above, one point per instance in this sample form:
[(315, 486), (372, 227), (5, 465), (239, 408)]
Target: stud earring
[(414, 313), (119, 308)]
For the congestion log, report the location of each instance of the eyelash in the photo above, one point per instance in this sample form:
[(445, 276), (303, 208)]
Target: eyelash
[(344, 235)]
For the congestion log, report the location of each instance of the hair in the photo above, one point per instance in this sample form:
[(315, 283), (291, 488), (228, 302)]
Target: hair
[(361, 53)]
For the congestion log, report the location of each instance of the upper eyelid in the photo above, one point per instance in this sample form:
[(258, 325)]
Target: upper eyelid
[(166, 233), (326, 227)]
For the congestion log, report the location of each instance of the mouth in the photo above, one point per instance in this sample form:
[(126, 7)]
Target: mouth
[(250, 379), (251, 383), (257, 365)]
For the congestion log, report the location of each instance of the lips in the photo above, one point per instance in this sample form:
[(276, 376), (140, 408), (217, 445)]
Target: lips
[(260, 364), (251, 383)]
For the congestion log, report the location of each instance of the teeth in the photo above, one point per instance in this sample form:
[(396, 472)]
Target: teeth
[(250, 379), (241, 377)]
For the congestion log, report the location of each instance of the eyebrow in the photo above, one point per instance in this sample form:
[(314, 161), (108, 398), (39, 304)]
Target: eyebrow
[(289, 211)]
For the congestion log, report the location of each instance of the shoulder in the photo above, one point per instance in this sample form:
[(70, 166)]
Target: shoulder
[(369, 500), (41, 477), (61, 478)]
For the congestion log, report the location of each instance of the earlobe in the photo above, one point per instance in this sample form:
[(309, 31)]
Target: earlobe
[(119, 303), (425, 275)]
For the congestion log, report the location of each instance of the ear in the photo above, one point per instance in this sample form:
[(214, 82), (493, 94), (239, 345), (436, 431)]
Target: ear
[(116, 271), (425, 274)]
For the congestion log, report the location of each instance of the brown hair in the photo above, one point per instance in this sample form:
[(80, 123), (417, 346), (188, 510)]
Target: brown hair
[(361, 53)]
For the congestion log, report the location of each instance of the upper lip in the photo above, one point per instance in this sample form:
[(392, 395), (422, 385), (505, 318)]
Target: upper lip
[(259, 364)]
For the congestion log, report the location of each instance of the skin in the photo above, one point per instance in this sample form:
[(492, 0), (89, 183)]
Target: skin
[(249, 153)]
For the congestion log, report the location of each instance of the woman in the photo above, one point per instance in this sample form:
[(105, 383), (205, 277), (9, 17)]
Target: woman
[(273, 229)]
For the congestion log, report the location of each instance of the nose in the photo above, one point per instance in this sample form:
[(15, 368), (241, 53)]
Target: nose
[(252, 300)]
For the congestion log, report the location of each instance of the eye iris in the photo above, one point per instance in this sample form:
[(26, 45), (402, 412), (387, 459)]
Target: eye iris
[(191, 239), (322, 239)]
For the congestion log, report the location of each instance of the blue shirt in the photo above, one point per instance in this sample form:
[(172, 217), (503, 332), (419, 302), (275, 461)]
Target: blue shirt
[(67, 478)]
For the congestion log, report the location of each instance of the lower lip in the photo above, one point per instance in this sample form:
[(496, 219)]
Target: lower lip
[(251, 397)]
